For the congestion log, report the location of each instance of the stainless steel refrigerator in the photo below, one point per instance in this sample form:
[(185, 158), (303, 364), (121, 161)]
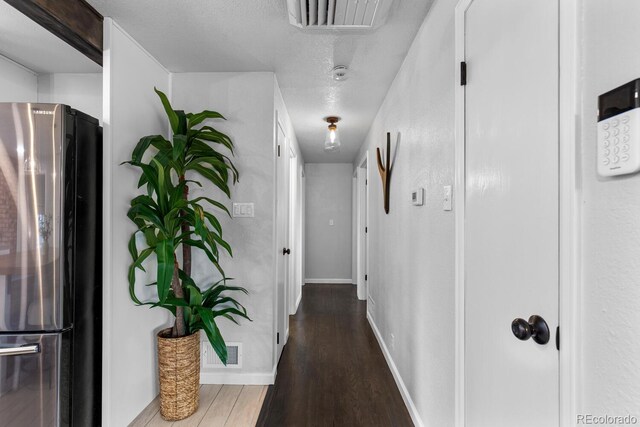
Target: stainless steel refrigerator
[(50, 266)]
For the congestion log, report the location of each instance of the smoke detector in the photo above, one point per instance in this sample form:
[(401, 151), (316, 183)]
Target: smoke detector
[(338, 14), (339, 73)]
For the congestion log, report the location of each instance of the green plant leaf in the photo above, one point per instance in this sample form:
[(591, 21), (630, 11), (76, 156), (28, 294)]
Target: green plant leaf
[(212, 176), (208, 133), (137, 263), (182, 123), (222, 243), (179, 145), (144, 144), (197, 118), (214, 203), (133, 249), (171, 114), (230, 310), (166, 264), (213, 333)]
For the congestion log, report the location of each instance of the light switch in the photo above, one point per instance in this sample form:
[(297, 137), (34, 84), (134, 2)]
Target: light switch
[(417, 197), (330, 222), (446, 203), (243, 210)]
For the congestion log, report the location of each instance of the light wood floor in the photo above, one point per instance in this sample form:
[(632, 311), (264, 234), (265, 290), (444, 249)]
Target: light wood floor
[(220, 405)]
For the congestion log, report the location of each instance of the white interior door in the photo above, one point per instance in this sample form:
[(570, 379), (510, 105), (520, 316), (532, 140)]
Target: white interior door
[(511, 211), (282, 238)]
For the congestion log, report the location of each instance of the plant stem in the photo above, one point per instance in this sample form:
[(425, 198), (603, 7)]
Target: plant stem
[(186, 249), (179, 328)]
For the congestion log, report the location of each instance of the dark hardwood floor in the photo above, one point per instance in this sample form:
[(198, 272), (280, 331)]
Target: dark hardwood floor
[(332, 371)]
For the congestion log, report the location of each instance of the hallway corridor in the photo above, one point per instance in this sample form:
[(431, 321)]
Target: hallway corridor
[(332, 371)]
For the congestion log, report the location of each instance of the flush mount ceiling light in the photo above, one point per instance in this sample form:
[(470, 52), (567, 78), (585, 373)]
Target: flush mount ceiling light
[(339, 73), (332, 141), (338, 14)]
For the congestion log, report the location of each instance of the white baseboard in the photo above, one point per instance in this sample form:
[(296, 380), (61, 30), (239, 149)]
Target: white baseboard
[(298, 303), (238, 378), (328, 281), (396, 376)]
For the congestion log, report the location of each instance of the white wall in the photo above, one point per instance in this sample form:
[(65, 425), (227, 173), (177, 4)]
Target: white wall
[(328, 197), (411, 264), (17, 84), (82, 91), (131, 110), (611, 224), (246, 100)]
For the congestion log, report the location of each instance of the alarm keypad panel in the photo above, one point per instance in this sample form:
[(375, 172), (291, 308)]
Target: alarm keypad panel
[(618, 144), (618, 150)]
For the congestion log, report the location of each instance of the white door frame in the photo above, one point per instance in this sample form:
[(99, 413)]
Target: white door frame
[(362, 221), (292, 236), (569, 234)]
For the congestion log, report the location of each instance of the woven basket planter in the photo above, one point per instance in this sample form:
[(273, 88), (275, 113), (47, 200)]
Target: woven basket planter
[(179, 369)]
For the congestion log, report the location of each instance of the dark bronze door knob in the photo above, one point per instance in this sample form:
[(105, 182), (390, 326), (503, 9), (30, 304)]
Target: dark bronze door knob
[(535, 328), (286, 251)]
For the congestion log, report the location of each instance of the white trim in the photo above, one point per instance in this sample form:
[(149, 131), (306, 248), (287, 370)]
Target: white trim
[(459, 211), (411, 407), (570, 214), (235, 378), (328, 281), (275, 232), (274, 236), (106, 222)]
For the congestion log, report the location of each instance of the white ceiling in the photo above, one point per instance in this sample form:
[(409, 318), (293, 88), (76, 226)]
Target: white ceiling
[(30, 45), (255, 35)]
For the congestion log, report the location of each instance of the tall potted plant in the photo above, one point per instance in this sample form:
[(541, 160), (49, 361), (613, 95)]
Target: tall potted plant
[(169, 221)]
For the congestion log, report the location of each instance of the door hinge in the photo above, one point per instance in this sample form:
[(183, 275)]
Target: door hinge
[(558, 338), (366, 182), (366, 229), (278, 338), (278, 151), (463, 73), (366, 277)]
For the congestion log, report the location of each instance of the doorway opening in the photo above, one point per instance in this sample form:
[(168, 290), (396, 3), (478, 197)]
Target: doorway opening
[(362, 202)]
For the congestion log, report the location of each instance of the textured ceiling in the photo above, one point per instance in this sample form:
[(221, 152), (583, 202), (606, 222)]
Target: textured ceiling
[(255, 35), (28, 44)]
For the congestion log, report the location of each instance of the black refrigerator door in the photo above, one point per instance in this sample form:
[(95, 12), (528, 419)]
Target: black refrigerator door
[(33, 381), (85, 251)]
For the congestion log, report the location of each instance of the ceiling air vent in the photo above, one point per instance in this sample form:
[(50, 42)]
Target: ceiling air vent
[(338, 14)]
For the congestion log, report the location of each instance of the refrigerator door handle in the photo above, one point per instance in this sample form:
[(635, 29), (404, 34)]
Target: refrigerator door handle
[(20, 351)]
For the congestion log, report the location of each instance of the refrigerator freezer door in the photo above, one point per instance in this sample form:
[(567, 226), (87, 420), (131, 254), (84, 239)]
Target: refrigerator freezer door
[(32, 380), (34, 175)]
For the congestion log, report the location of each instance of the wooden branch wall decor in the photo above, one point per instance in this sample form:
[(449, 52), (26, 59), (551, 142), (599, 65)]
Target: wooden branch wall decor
[(385, 172)]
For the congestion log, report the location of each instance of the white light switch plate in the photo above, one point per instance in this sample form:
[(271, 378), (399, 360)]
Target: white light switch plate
[(243, 210), (447, 204)]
